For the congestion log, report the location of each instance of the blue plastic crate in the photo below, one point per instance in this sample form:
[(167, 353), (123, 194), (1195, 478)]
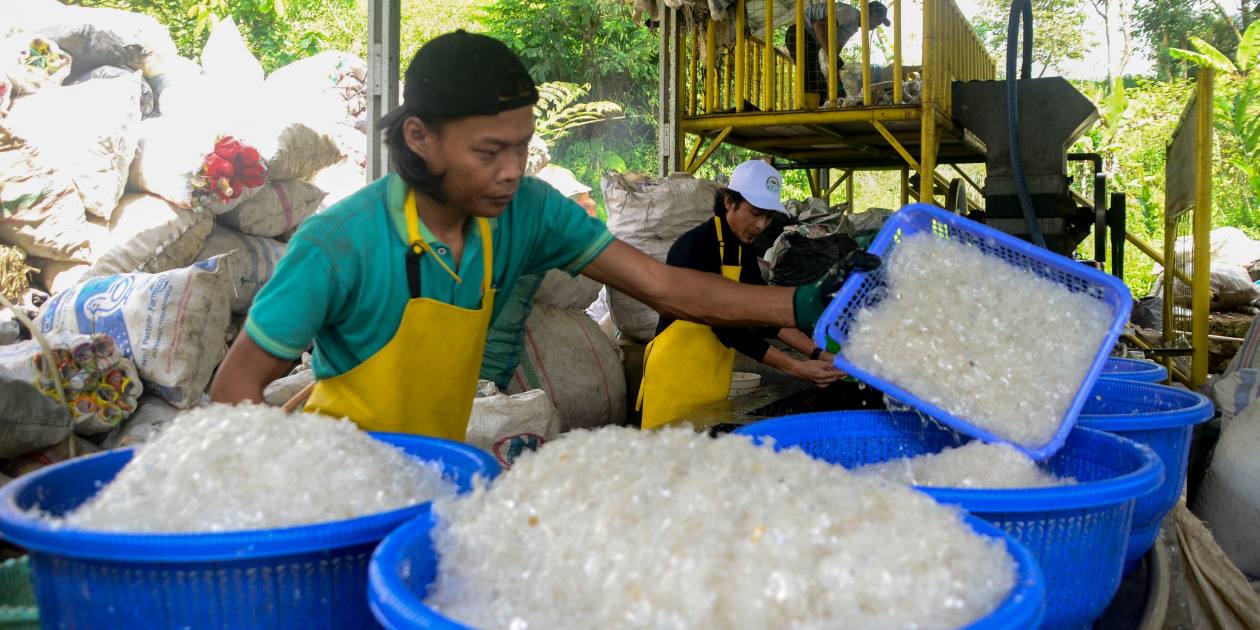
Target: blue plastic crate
[(1162, 418), (1078, 534), (1134, 370), (405, 564), (866, 289), (311, 576)]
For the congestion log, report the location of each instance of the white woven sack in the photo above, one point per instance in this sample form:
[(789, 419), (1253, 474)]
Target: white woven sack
[(89, 131), (47, 217), (278, 208), (170, 156), (171, 324), (149, 234), (249, 260)]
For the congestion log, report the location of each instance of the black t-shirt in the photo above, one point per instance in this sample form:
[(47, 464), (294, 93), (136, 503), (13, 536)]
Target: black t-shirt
[(698, 249)]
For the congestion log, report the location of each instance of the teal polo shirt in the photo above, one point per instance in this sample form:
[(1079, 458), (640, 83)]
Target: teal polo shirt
[(342, 282)]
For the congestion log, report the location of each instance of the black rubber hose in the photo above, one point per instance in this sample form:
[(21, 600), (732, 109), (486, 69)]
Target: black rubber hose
[(1026, 71), (1019, 8)]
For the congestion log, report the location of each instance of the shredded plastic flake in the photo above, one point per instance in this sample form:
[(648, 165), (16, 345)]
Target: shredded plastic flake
[(224, 468), (973, 465), (618, 528), (1001, 347)]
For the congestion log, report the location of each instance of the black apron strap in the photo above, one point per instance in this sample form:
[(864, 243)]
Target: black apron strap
[(413, 270)]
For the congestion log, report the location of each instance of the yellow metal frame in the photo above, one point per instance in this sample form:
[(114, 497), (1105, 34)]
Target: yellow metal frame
[(1196, 120), (694, 162), (750, 72)]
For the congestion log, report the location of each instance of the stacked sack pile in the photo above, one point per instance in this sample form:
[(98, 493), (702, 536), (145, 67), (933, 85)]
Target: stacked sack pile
[(569, 373), (153, 195)]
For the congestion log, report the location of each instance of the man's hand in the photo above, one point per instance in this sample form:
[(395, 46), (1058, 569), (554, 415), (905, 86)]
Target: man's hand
[(820, 373), (811, 300)]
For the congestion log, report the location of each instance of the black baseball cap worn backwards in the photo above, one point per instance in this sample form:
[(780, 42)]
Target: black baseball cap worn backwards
[(463, 74)]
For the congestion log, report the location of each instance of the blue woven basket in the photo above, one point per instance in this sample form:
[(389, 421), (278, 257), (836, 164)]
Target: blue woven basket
[(1134, 370), (296, 577), (862, 290), (1078, 534), (405, 564), (1162, 418)]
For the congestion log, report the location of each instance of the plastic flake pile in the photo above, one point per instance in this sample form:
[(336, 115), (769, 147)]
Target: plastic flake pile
[(973, 465), (620, 528), (998, 346), (225, 468)]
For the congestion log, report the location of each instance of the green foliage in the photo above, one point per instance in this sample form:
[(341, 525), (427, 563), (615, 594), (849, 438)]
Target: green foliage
[(423, 20), (1164, 25), (595, 43), (1059, 36), (558, 111), (1249, 48), (278, 31), (1207, 55), (1237, 121)]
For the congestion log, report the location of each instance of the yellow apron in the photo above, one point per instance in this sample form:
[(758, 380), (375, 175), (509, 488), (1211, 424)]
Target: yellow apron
[(423, 381), (686, 368)]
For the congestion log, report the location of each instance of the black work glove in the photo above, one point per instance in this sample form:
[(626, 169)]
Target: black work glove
[(811, 300)]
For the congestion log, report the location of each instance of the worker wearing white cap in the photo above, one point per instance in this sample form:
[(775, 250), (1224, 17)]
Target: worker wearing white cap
[(689, 365)]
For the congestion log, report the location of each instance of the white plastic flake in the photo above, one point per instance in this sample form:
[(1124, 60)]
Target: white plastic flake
[(995, 345), (224, 468), (973, 465), (618, 528)]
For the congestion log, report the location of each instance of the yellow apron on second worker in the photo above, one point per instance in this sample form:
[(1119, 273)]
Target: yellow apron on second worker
[(686, 368), (423, 381)]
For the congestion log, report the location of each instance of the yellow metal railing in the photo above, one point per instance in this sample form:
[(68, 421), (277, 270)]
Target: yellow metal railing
[(726, 66), (733, 79), (951, 52), (763, 77)]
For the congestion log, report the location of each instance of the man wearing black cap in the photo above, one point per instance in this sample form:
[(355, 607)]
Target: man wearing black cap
[(848, 24), (396, 284)]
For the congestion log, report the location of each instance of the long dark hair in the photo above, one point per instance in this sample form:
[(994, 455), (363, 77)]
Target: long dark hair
[(719, 200), (407, 164)]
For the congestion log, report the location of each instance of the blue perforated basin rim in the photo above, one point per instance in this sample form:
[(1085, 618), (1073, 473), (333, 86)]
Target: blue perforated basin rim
[(309, 577), (1162, 418), (861, 290), (1078, 534), (1134, 370), (62, 487), (405, 564)]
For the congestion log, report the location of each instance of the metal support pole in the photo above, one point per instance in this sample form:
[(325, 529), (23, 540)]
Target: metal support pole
[(1100, 202), (693, 75), (741, 55), (1100, 218), (383, 44), (897, 79), (905, 187), (1116, 224), (799, 54), (767, 81), (866, 53), (928, 138), (833, 76), (1201, 296), (710, 66), (670, 135)]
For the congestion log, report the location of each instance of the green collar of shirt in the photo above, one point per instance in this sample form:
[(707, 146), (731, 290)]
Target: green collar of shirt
[(396, 204)]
